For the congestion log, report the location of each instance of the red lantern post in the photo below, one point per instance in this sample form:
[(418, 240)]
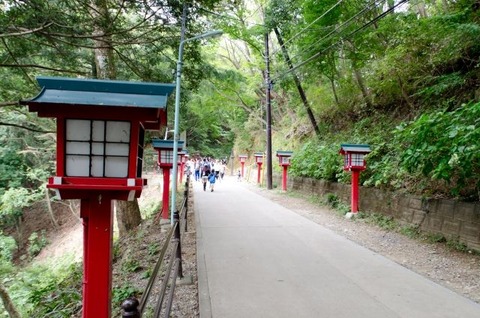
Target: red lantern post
[(259, 161), (354, 161), (165, 161), (183, 155), (243, 159), (284, 161), (100, 135)]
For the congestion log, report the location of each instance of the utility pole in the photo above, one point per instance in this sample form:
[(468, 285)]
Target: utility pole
[(268, 105), (297, 82)]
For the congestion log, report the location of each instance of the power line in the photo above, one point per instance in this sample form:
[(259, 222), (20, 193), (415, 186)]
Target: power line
[(345, 24), (223, 16), (380, 16), (308, 26)]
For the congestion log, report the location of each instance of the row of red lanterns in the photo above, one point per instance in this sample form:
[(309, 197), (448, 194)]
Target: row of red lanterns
[(354, 161), (101, 128)]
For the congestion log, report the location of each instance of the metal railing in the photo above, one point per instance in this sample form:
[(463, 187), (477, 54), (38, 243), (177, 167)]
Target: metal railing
[(131, 307)]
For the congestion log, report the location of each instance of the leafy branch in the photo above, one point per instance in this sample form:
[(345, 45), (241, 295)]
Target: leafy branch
[(26, 128)]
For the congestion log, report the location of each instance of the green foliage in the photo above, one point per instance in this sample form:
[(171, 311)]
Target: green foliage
[(7, 247), (147, 273), (48, 290), (435, 238), (444, 145), (58, 298), (437, 146), (12, 168), (332, 200), (318, 160), (150, 208), (153, 249), (36, 243), (210, 128), (383, 221), (456, 244), (12, 202), (121, 293), (131, 265), (410, 231)]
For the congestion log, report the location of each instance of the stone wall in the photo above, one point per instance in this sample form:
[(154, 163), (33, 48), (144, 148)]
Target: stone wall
[(450, 218)]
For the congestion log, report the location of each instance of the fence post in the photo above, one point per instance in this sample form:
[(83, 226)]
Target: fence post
[(176, 219), (185, 193), (130, 308)]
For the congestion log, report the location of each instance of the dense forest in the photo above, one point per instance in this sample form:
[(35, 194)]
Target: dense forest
[(401, 76)]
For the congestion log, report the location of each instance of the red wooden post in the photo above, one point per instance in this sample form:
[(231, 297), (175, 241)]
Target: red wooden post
[(181, 161), (284, 178), (97, 256), (354, 194), (182, 167), (166, 192), (243, 159), (259, 161), (259, 172)]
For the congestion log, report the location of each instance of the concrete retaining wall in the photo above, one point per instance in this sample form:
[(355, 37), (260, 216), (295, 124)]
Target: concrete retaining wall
[(450, 218)]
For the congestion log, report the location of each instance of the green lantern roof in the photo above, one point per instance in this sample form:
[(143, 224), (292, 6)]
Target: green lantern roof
[(93, 92), (283, 153), (354, 148), (166, 144)]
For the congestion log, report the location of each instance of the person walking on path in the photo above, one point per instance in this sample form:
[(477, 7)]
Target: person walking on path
[(197, 169), (204, 180), (222, 170), (212, 178)]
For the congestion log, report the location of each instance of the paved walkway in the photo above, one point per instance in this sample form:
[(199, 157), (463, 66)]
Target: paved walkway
[(259, 259)]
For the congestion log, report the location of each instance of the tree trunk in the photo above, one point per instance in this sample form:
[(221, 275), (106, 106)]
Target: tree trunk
[(301, 92), (49, 208), (359, 77), (404, 93), (128, 213), (422, 11), (128, 216), (8, 304), (361, 85), (445, 6), (104, 58), (334, 90)]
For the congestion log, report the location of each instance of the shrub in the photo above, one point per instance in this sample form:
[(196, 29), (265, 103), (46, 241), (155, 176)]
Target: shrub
[(444, 146), (36, 243)]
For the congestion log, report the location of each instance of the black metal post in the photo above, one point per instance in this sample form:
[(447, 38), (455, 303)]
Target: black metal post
[(130, 308), (268, 114), (176, 236), (185, 193)]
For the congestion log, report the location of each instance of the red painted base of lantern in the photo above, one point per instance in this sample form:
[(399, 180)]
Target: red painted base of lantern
[(166, 193), (243, 166), (284, 178), (83, 188), (182, 167), (259, 172), (354, 194), (97, 256), (96, 211)]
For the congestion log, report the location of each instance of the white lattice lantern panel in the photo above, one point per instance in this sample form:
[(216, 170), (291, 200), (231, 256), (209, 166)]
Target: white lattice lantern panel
[(97, 148)]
